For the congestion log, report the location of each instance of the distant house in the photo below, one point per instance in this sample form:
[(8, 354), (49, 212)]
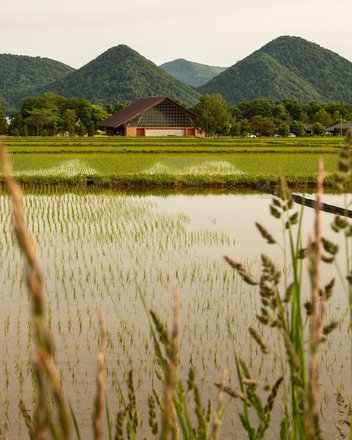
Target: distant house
[(153, 116), (339, 128), (308, 128)]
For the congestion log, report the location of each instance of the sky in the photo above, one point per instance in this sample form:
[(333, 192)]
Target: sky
[(216, 32)]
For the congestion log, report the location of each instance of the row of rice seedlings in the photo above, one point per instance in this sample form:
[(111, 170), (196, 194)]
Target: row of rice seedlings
[(116, 145), (94, 278), (157, 167)]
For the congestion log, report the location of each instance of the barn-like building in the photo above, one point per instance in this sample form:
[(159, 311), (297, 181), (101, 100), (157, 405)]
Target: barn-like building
[(152, 116)]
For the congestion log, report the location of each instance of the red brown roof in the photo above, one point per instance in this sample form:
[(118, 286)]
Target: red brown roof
[(135, 109)]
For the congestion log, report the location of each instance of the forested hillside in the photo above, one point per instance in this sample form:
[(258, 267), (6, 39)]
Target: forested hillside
[(287, 67), (189, 72), (20, 74), (121, 74)]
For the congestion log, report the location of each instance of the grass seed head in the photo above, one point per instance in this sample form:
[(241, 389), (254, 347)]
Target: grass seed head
[(259, 340)]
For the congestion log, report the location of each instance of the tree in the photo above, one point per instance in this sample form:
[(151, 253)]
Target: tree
[(260, 106), (311, 108), (245, 127), (99, 113), (281, 114), (318, 129), (25, 131), (81, 130), (236, 113), (283, 129), (91, 129), (70, 120), (3, 122), (41, 118), (293, 108), (323, 117), (262, 126), (16, 122), (297, 128), (236, 129), (214, 115), (84, 111)]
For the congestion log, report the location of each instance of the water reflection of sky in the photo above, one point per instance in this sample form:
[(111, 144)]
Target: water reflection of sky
[(101, 248), (237, 214)]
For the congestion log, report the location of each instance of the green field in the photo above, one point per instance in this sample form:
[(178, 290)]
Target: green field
[(113, 161), (172, 144)]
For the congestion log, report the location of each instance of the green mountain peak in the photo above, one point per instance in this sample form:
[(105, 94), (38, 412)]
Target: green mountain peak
[(287, 67)]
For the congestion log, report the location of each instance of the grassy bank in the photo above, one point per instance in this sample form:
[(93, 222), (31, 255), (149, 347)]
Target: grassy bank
[(166, 182)]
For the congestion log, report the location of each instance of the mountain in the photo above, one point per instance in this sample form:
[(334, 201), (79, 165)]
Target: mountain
[(20, 74), (287, 67), (191, 73), (121, 74)]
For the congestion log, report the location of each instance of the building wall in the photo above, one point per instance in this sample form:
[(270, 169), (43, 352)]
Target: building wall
[(131, 131), (163, 131)]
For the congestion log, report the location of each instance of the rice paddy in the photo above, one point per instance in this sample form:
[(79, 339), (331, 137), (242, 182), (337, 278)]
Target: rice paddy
[(113, 162), (161, 167), (109, 252), (99, 252), (116, 145)]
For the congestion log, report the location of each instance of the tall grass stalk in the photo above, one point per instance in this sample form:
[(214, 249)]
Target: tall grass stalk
[(176, 417), (47, 374), (99, 406), (318, 301), (343, 184), (283, 311)]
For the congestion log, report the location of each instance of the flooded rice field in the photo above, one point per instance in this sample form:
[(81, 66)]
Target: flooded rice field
[(102, 252)]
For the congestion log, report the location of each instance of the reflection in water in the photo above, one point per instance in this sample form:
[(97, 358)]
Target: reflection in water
[(100, 250)]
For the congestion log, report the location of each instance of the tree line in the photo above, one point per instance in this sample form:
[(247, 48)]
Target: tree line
[(266, 117), (51, 114)]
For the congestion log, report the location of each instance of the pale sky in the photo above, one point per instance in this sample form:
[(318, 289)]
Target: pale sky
[(215, 32)]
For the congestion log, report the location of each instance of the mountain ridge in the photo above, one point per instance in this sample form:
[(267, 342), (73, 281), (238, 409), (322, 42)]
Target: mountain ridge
[(191, 72), (287, 67), (121, 74), (318, 73), (20, 74)]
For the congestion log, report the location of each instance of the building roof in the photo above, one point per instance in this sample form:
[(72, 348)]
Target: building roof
[(137, 108), (339, 125)]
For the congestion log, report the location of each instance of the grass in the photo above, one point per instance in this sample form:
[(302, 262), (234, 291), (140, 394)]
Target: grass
[(170, 145), (186, 169), (170, 162)]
